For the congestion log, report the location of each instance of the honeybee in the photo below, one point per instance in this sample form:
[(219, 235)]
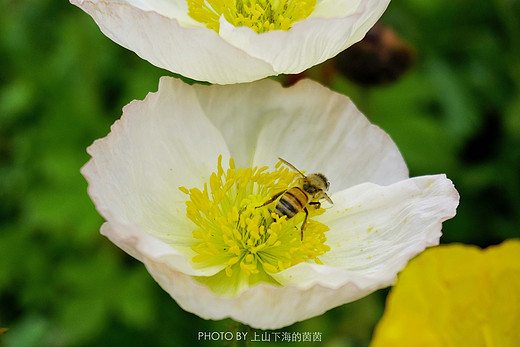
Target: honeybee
[(308, 190)]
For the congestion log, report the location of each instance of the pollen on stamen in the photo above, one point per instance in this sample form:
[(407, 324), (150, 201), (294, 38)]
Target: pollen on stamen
[(259, 15), (231, 231)]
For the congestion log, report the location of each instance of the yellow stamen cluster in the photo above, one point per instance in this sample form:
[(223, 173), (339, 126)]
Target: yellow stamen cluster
[(259, 15), (231, 230)]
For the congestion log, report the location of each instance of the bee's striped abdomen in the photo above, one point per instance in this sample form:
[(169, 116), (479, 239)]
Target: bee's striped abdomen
[(291, 202)]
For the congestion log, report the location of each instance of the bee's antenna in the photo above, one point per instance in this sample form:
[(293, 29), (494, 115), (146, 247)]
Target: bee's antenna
[(291, 166), (326, 197)]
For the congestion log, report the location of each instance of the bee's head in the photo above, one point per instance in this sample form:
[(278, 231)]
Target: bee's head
[(320, 181), (315, 183)]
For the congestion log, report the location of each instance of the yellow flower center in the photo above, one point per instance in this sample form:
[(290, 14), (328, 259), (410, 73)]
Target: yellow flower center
[(251, 242), (259, 15)]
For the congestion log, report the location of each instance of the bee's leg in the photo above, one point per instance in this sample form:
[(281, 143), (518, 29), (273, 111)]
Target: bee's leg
[(273, 198), (316, 204), (304, 222)]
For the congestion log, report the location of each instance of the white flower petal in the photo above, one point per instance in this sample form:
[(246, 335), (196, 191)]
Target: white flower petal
[(375, 230), (194, 52), (308, 125), (334, 8), (308, 42), (177, 9), (144, 246), (163, 33), (262, 307), (239, 111), (135, 172), (324, 132), (373, 227)]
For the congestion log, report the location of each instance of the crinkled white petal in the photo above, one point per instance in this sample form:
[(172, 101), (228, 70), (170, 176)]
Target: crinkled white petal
[(308, 42), (263, 306), (375, 230), (162, 33), (371, 226), (159, 144), (334, 8), (144, 246), (308, 125), (239, 111), (169, 8), (194, 52)]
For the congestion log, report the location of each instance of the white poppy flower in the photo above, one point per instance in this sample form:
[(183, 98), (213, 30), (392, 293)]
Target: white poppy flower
[(224, 41), (162, 181)]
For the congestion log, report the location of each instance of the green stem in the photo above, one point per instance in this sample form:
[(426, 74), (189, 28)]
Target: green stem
[(364, 100)]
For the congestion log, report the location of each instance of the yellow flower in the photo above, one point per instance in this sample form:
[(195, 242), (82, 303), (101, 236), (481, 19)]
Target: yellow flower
[(455, 295)]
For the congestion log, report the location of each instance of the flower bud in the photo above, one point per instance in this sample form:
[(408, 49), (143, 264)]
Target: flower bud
[(380, 58)]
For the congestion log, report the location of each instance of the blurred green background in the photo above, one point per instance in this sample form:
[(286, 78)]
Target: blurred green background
[(63, 83)]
